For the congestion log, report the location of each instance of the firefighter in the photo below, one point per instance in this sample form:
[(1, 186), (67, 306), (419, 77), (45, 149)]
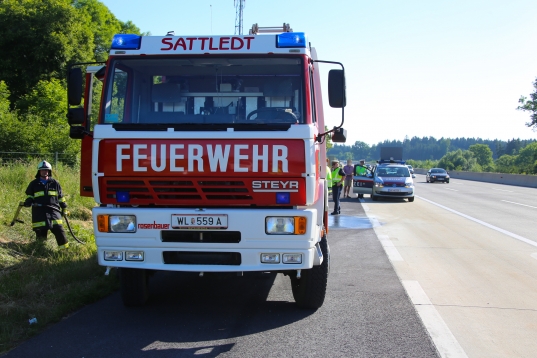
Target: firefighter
[(45, 196), (337, 180)]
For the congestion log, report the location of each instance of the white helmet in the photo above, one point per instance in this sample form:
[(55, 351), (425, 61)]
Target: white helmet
[(44, 165)]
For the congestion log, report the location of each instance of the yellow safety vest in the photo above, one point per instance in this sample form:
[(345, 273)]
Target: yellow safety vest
[(328, 177), (336, 178)]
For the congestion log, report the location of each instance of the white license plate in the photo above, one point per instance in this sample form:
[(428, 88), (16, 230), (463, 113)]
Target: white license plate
[(394, 190), (194, 221)]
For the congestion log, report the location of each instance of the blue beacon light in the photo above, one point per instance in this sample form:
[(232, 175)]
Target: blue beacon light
[(126, 42), (123, 197), (291, 40), (283, 198)]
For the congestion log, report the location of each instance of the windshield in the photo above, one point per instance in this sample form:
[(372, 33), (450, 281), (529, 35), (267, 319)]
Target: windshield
[(203, 90), (438, 171), (392, 172)]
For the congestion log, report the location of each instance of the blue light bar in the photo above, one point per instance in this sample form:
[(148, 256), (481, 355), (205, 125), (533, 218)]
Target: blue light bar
[(126, 42), (291, 39), (123, 196), (283, 198)]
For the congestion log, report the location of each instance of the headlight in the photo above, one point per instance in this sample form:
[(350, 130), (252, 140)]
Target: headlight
[(285, 225), (447, 176), (379, 185), (409, 185), (116, 223)]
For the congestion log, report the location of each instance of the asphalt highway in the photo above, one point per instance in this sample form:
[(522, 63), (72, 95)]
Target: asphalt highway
[(367, 312), (466, 252)]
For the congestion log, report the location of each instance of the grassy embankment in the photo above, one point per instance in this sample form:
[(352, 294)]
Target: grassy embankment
[(37, 280)]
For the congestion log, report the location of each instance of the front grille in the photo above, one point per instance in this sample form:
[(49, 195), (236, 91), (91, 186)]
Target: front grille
[(149, 191), (389, 193), (201, 258), (223, 237), (394, 185)]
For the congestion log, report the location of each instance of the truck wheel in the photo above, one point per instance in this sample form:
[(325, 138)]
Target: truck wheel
[(309, 290), (134, 286)]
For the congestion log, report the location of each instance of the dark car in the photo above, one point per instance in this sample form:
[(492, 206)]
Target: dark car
[(437, 174)]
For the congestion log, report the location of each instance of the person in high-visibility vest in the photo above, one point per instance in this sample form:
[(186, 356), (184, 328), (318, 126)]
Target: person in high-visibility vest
[(328, 176), (361, 171), (337, 185)]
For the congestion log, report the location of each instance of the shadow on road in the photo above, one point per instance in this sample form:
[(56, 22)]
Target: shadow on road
[(186, 315)]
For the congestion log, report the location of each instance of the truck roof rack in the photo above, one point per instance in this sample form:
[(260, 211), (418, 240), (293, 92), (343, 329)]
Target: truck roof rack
[(270, 30)]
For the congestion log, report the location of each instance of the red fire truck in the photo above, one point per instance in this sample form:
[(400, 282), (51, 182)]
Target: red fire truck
[(207, 154)]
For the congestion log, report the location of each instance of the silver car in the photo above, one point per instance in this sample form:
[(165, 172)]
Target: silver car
[(386, 180)]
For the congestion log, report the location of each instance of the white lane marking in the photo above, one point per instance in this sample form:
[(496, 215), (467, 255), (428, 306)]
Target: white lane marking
[(508, 191), (445, 342), (389, 248), (508, 233), (451, 189), (534, 255), (512, 202)]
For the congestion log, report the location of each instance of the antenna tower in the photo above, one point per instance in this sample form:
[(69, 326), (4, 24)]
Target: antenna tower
[(239, 7)]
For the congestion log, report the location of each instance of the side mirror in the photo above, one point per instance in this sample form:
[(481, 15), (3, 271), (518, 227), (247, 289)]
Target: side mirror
[(75, 116), (77, 132), (336, 89), (339, 135), (74, 86)]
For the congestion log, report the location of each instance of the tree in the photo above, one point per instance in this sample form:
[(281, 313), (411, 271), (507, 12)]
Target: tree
[(459, 160), (328, 139), (360, 150), (530, 105), (4, 98), (103, 24), (483, 156), (39, 39), (506, 164), (526, 160)]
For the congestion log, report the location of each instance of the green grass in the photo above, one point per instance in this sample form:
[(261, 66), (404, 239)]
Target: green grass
[(37, 280)]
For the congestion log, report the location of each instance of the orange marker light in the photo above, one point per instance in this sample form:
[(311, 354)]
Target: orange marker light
[(102, 223)]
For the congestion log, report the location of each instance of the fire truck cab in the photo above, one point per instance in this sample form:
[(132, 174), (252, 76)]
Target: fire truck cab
[(207, 154)]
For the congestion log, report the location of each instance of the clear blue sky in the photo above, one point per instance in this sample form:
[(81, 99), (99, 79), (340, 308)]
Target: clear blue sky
[(414, 68)]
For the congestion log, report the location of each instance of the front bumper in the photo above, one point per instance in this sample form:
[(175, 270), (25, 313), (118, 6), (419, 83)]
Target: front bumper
[(237, 248), (391, 192)]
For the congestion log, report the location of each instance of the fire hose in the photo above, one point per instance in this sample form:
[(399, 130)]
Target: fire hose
[(69, 227), (63, 213)]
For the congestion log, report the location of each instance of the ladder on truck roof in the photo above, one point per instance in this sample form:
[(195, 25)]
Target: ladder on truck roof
[(269, 30)]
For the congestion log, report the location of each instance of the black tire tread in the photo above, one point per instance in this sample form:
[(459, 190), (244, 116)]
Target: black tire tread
[(134, 286), (310, 290)]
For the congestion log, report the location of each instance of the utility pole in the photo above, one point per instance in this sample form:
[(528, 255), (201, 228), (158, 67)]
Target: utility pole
[(239, 7)]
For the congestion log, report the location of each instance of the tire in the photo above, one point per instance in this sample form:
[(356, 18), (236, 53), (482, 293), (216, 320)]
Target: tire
[(309, 290), (360, 196), (374, 197), (426, 180), (134, 286), (447, 181), (410, 199)]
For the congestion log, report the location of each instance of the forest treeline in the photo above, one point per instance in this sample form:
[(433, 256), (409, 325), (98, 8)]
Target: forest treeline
[(470, 154), (38, 41)]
